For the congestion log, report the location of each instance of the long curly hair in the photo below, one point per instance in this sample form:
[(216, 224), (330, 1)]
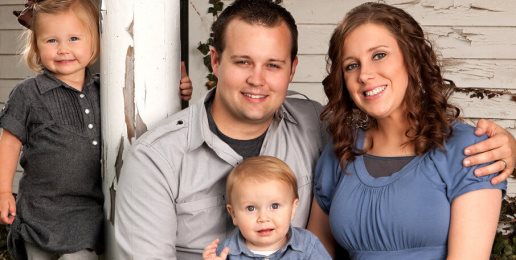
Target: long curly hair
[(426, 100)]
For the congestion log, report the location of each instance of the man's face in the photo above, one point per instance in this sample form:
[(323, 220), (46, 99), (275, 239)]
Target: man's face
[(253, 74)]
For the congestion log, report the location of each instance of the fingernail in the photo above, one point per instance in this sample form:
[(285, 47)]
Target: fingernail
[(467, 151), (477, 172), (467, 163)]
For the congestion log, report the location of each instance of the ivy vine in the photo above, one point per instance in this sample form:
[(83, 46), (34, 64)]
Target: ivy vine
[(216, 6)]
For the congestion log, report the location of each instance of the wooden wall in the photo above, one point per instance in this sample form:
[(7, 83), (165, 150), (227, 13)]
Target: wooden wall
[(11, 69)]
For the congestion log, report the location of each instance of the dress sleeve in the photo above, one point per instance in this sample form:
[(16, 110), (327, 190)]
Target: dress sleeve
[(457, 178), (13, 116), (327, 176)]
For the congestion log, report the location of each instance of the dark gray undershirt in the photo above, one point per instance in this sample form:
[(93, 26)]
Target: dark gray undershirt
[(246, 148), (378, 166)]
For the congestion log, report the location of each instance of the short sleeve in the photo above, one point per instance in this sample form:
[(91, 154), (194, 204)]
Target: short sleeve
[(14, 114), (457, 178), (327, 176)]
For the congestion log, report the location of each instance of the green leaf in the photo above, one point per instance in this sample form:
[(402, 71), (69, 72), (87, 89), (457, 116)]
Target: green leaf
[(203, 48)]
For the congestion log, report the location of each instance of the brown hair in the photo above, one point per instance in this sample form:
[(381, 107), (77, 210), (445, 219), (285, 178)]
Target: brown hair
[(426, 100), (86, 11), (260, 169), (261, 12)]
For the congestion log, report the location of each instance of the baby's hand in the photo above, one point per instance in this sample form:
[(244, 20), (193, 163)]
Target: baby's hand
[(210, 252), (7, 208)]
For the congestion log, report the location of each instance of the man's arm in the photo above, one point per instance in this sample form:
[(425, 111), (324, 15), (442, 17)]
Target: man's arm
[(499, 148), (145, 216)]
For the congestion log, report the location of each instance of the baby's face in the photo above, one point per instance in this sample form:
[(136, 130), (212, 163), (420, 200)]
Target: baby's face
[(263, 211)]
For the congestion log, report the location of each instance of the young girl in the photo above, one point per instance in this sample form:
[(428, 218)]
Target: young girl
[(391, 184), (55, 117)]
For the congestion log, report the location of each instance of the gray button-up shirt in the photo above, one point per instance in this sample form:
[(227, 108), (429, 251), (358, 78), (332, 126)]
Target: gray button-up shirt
[(170, 199), (60, 202)]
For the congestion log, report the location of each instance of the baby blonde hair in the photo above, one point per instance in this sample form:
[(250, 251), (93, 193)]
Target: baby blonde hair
[(261, 169), (87, 12)]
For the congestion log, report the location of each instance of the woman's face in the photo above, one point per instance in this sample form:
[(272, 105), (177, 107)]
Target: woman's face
[(374, 71)]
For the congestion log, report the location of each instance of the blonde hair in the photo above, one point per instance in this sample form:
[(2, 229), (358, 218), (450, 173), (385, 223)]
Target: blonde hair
[(87, 12), (261, 169)]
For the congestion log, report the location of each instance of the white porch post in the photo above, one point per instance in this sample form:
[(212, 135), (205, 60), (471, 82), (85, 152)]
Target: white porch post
[(140, 54)]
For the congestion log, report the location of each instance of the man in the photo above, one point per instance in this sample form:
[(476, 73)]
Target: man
[(170, 200)]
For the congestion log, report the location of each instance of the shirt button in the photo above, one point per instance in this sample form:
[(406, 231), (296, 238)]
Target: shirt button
[(87, 111), (90, 126), (81, 95), (94, 142)]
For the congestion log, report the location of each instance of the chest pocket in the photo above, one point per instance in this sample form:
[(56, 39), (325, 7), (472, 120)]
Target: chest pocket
[(199, 222), (39, 119)]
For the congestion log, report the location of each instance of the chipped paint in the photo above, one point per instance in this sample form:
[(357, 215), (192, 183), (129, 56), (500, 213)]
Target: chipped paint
[(129, 106), (482, 93)]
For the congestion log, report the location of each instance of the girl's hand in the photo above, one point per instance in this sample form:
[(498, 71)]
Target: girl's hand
[(210, 252), (499, 148), (7, 208), (185, 84)]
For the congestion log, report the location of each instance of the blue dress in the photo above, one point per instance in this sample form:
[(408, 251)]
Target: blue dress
[(402, 216)]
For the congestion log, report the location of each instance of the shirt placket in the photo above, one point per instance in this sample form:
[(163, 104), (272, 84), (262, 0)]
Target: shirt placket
[(89, 118)]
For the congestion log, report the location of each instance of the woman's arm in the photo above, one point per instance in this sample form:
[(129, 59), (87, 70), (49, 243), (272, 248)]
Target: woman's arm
[(474, 218), (319, 224)]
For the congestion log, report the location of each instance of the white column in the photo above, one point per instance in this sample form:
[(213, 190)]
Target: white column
[(140, 57)]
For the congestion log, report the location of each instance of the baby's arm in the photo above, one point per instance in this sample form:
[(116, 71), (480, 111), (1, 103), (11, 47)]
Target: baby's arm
[(210, 252), (10, 147)]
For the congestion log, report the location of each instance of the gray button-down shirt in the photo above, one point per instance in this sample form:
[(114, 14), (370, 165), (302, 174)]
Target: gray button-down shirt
[(170, 199), (301, 245)]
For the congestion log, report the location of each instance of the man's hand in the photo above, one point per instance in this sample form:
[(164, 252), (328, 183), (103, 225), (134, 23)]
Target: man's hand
[(499, 148)]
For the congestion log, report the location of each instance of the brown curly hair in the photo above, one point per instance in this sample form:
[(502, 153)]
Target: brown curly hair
[(426, 100)]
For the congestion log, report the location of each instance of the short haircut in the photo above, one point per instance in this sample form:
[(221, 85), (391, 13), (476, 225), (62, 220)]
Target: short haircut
[(261, 169), (87, 12), (261, 12)]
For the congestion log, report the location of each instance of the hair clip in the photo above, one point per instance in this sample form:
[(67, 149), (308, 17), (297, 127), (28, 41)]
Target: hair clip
[(25, 16)]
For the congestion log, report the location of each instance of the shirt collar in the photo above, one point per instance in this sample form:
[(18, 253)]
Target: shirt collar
[(238, 246), (46, 81), (200, 128)]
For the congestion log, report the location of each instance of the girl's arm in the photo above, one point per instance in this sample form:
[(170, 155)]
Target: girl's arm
[(319, 224), (10, 147), (474, 218)]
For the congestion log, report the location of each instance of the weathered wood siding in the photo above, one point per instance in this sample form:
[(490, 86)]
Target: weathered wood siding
[(12, 70), (476, 40)]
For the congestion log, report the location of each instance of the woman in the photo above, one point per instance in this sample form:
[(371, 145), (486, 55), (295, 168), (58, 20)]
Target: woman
[(391, 183)]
